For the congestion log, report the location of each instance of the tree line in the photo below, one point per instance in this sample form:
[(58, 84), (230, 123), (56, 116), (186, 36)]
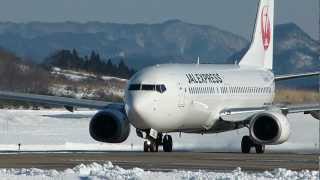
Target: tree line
[(20, 75), (71, 60)]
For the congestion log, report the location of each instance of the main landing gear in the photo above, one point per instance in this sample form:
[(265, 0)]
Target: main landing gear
[(151, 144), (247, 144)]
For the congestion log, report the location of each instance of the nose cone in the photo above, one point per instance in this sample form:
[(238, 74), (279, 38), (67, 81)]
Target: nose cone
[(136, 107)]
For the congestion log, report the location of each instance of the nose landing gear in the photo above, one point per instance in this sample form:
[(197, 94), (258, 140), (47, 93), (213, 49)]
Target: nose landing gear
[(152, 144)]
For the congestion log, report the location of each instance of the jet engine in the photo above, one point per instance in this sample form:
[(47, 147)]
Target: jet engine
[(110, 126), (315, 114), (269, 128)]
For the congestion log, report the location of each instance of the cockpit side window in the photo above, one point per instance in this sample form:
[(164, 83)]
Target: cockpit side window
[(161, 88), (134, 87)]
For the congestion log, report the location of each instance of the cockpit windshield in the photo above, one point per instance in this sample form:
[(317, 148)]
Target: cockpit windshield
[(161, 88), (148, 87)]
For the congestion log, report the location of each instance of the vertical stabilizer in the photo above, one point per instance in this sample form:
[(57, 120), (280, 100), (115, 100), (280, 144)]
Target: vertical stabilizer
[(260, 53)]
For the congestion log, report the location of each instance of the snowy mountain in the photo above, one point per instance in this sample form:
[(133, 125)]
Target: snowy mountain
[(150, 43), (295, 52), (146, 44)]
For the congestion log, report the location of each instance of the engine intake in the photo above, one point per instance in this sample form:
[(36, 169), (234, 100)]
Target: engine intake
[(110, 126), (269, 128), (315, 114)]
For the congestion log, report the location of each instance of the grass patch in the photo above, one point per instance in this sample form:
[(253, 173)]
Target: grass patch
[(296, 96)]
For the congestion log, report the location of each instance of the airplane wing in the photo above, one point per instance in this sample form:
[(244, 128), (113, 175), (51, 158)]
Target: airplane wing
[(307, 108), (243, 114), (294, 76), (68, 103)]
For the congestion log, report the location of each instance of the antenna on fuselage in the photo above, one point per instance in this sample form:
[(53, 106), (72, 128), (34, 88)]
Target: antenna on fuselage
[(198, 60)]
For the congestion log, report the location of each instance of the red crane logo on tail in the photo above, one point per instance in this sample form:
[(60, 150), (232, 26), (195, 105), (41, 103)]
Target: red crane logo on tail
[(265, 27)]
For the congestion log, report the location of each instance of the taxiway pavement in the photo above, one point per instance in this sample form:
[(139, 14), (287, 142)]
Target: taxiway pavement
[(162, 161)]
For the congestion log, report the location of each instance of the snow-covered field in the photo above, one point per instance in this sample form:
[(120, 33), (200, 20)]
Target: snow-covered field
[(62, 130), (114, 85), (109, 171), (78, 76)]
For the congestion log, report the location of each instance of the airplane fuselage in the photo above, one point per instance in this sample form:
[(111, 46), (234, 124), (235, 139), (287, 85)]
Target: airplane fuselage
[(190, 97)]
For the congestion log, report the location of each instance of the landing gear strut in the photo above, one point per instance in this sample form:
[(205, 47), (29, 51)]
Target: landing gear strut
[(167, 143), (152, 145), (247, 143)]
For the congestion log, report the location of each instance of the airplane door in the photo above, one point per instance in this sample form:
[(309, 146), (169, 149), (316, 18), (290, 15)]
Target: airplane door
[(181, 94)]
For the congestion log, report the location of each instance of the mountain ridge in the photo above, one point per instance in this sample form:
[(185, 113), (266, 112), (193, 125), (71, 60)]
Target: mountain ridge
[(173, 38), (173, 41)]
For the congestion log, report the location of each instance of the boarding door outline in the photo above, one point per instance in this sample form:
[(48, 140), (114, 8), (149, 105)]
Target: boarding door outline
[(181, 94)]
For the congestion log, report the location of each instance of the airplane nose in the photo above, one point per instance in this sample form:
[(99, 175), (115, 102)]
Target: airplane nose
[(135, 108)]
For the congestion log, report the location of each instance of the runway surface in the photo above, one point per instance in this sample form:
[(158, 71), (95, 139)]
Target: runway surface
[(162, 161)]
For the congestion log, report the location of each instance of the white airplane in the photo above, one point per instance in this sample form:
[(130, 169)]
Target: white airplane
[(198, 98)]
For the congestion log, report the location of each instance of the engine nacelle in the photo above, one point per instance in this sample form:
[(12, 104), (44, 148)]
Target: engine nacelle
[(110, 126), (269, 128), (315, 114)]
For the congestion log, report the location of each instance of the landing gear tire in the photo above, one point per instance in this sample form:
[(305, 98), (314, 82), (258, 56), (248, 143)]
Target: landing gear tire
[(167, 143), (145, 146), (150, 146), (246, 144), (153, 147), (260, 148)]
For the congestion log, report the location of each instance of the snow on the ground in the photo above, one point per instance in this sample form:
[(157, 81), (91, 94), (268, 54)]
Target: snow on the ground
[(50, 130), (72, 75), (78, 76), (109, 171), (63, 130), (107, 78), (83, 91)]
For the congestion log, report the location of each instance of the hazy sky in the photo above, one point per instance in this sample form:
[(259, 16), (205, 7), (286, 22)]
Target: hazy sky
[(233, 15)]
